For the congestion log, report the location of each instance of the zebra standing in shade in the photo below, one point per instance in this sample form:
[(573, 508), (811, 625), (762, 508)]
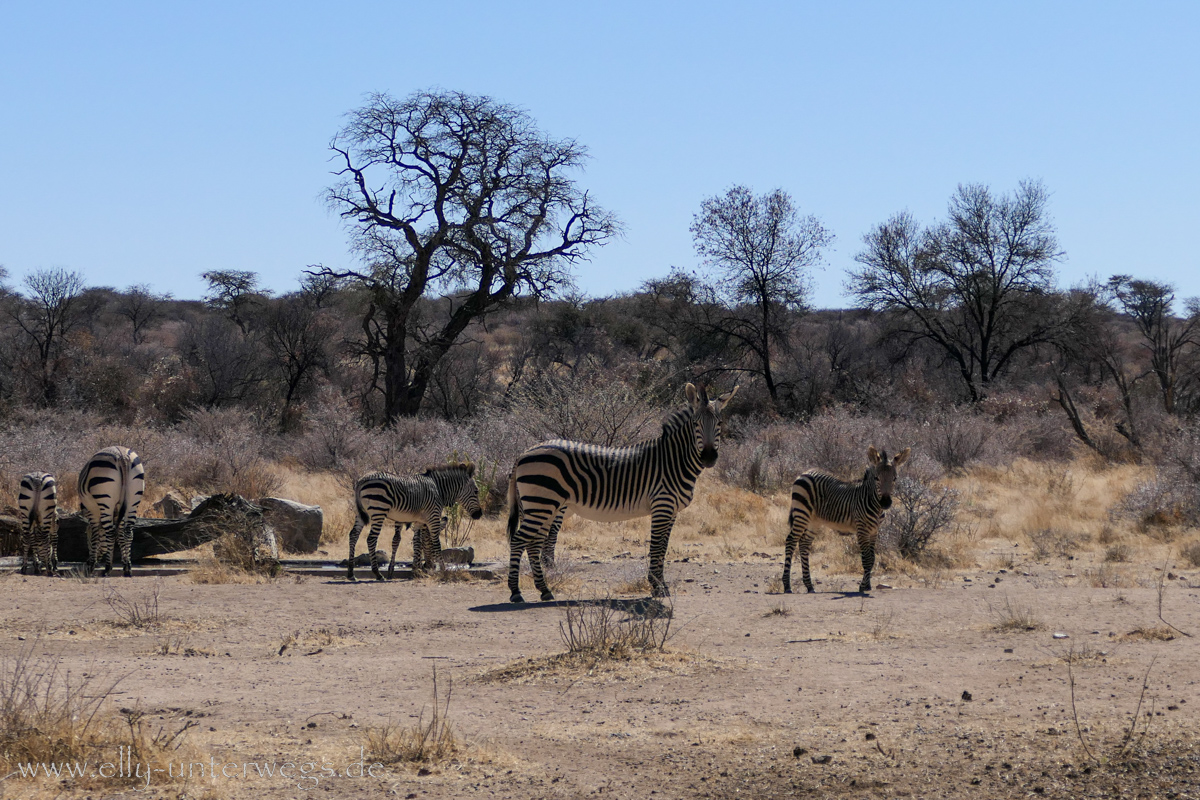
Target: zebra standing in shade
[(417, 499), (38, 504), (655, 477), (846, 507), (110, 489)]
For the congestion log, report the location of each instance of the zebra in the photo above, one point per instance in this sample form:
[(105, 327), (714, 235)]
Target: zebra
[(655, 477), (846, 507), (37, 500), (110, 489), (417, 499)]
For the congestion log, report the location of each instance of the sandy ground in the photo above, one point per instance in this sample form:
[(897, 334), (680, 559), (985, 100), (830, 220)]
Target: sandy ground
[(761, 695)]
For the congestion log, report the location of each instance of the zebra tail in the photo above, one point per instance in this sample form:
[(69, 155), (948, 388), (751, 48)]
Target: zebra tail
[(514, 506)]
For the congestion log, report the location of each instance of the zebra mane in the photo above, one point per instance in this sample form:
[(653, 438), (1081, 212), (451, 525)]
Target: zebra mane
[(466, 467), (676, 419)]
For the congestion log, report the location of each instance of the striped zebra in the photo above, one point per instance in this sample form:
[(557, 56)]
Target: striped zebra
[(110, 489), (37, 501), (416, 499), (655, 477), (846, 507)]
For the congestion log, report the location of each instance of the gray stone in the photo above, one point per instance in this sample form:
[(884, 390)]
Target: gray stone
[(297, 526), (173, 506), (458, 555)]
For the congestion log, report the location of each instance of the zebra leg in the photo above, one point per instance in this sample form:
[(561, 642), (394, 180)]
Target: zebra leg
[(539, 574), (661, 522), (433, 540), (52, 544), (866, 548), (127, 546), (530, 532), (396, 544), (26, 544), (372, 543), (552, 539), (354, 532)]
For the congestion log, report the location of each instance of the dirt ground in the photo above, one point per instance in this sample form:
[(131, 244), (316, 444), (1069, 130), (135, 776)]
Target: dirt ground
[(939, 691)]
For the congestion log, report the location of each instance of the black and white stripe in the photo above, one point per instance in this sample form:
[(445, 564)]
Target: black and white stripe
[(110, 489), (654, 478), (37, 501), (846, 507), (416, 499)]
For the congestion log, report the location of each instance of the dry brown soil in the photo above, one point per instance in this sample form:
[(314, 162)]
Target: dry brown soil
[(761, 695)]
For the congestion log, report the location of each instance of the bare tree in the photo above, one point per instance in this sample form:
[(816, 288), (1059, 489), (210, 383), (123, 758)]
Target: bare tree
[(46, 316), (453, 193), (761, 250), (978, 286), (1166, 339), (141, 307), (297, 335)]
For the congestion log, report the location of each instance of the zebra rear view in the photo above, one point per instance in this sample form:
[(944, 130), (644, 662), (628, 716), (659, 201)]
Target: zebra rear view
[(654, 478), (416, 499), (849, 508), (110, 490), (37, 501)]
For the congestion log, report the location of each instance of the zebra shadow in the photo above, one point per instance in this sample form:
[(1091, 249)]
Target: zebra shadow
[(641, 608)]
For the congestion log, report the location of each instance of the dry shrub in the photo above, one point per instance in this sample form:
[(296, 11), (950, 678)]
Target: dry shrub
[(609, 630), (1053, 542), (1161, 504), (1009, 617), (138, 611), (52, 717), (429, 741), (1106, 576), (231, 455), (591, 405), (1190, 553), (956, 440), (1118, 554), (922, 512)]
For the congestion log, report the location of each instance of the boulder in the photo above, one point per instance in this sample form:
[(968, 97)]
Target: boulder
[(173, 506), (297, 526), (364, 559), (458, 555)]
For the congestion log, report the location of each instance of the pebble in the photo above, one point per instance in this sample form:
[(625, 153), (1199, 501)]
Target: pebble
[(1061, 636)]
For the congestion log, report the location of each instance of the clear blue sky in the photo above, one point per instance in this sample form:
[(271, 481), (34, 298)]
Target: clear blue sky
[(150, 141)]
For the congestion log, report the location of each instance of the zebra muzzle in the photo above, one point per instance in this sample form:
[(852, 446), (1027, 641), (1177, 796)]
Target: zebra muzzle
[(708, 456), (885, 501)]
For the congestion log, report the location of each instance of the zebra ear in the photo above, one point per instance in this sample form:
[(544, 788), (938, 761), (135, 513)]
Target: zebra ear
[(873, 456), (724, 399), (693, 396), (901, 457)]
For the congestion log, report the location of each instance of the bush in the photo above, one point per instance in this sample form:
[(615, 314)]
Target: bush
[(922, 512)]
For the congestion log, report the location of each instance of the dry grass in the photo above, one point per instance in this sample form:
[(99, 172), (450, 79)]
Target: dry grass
[(52, 717), (315, 640), (1159, 633), (135, 611), (431, 740), (1009, 617)]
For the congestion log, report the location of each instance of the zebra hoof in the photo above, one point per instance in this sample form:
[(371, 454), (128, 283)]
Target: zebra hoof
[(127, 572), (516, 598), (547, 596), (810, 589), (378, 576), (660, 591), (787, 590), (350, 577)]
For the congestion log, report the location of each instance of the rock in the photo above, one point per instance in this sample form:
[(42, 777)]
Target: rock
[(198, 500), (458, 555), (822, 759), (245, 540), (966, 696), (1061, 636), (297, 526), (364, 559), (173, 506)]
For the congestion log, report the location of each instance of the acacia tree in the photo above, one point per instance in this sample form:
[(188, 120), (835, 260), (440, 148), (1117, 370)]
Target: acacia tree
[(1166, 339), (978, 286), (760, 249), (446, 192)]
